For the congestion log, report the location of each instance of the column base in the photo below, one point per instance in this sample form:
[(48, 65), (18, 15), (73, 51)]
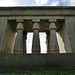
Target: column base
[(18, 52), (54, 51), (38, 52)]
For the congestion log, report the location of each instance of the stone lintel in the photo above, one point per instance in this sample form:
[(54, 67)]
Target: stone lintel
[(19, 20), (54, 20), (36, 20)]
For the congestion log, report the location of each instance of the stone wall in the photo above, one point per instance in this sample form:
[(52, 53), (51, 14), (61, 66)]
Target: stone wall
[(3, 24), (37, 60)]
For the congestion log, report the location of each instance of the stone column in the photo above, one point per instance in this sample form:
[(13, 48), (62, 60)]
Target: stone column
[(36, 40), (24, 41), (19, 38), (54, 48), (48, 41)]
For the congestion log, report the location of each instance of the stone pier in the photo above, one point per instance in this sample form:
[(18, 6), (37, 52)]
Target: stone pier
[(54, 48), (19, 38), (36, 40)]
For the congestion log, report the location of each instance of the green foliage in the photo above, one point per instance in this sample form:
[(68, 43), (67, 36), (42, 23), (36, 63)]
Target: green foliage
[(38, 71)]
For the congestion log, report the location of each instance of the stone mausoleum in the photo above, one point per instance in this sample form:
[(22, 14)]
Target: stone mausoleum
[(57, 22)]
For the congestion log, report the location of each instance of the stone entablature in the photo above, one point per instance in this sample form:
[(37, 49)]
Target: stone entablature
[(37, 11)]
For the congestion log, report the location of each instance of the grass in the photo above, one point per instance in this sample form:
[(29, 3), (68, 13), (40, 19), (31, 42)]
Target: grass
[(38, 71)]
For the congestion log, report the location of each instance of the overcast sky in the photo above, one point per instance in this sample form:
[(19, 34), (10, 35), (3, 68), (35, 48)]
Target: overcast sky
[(8, 3)]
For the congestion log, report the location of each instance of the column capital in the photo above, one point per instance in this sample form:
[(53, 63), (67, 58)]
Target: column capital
[(20, 26), (36, 20), (52, 21), (52, 24), (36, 24), (19, 20)]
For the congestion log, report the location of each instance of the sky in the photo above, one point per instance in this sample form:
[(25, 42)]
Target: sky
[(37, 3), (12, 3)]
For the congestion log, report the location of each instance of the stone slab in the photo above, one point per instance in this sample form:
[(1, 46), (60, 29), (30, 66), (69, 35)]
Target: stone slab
[(37, 60), (5, 11)]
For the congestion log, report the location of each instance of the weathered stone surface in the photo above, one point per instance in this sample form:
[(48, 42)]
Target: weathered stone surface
[(70, 26), (37, 60), (3, 24), (65, 29), (65, 43), (33, 11), (19, 38), (54, 48), (65, 23), (36, 40), (9, 40)]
